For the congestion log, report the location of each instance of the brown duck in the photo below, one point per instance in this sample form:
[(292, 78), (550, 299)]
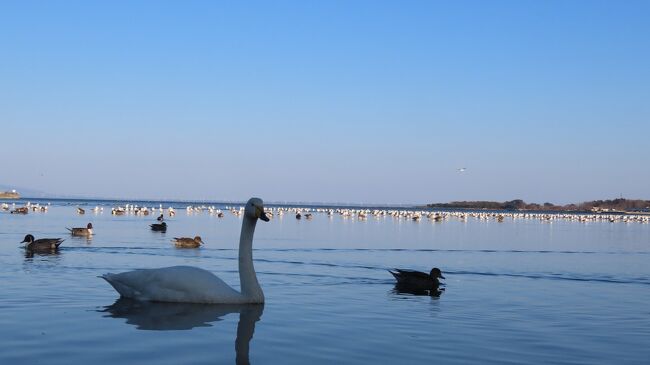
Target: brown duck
[(186, 242), (88, 231)]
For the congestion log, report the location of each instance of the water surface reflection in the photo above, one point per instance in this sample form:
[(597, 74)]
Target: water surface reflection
[(156, 316), (29, 254), (404, 289)]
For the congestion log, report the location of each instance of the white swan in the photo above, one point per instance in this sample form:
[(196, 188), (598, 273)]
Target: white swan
[(188, 284)]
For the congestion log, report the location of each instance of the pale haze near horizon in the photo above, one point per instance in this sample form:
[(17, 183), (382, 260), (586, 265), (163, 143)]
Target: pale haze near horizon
[(359, 102)]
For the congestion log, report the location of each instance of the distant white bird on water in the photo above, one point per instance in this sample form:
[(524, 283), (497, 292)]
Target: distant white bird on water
[(462, 169), (186, 284)]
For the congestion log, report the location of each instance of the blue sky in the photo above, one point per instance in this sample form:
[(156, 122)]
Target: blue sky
[(336, 101)]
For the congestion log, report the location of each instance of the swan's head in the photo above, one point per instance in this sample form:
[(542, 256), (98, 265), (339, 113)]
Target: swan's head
[(255, 209)]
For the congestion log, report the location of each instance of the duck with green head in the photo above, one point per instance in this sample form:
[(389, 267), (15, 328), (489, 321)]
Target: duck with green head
[(42, 244)]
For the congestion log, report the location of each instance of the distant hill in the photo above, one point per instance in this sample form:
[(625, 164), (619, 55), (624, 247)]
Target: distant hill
[(518, 204), (24, 192), (9, 195)]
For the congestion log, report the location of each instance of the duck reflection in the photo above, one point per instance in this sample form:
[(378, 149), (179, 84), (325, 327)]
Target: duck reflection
[(158, 316), (83, 239), (29, 254), (434, 292)]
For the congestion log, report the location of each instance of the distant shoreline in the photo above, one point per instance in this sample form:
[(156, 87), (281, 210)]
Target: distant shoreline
[(182, 203), (617, 206), (620, 206)]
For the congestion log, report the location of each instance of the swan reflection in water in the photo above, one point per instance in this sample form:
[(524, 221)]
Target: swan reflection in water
[(160, 316)]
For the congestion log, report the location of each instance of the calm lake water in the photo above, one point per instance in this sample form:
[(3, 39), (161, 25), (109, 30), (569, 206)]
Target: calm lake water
[(519, 292)]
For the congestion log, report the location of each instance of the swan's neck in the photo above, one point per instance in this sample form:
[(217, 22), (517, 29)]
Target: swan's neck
[(250, 288)]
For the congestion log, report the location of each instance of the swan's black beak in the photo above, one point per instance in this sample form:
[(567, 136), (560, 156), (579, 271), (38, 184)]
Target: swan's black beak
[(263, 216)]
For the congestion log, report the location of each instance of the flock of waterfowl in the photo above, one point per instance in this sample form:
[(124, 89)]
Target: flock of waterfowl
[(415, 215), (441, 216), (195, 285), (190, 284), (403, 214), (13, 209), (51, 245)]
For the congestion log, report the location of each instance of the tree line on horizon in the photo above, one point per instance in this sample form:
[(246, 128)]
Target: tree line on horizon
[(518, 204)]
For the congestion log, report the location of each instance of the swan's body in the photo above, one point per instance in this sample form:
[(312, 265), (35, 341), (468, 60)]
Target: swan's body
[(185, 284), (188, 284)]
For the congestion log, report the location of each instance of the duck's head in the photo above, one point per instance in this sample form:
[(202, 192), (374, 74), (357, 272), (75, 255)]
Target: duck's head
[(163, 224), (436, 273), (89, 226), (29, 239), (199, 240), (255, 209)]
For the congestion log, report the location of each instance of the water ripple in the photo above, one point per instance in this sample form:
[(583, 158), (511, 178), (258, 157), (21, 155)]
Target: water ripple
[(556, 276)]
